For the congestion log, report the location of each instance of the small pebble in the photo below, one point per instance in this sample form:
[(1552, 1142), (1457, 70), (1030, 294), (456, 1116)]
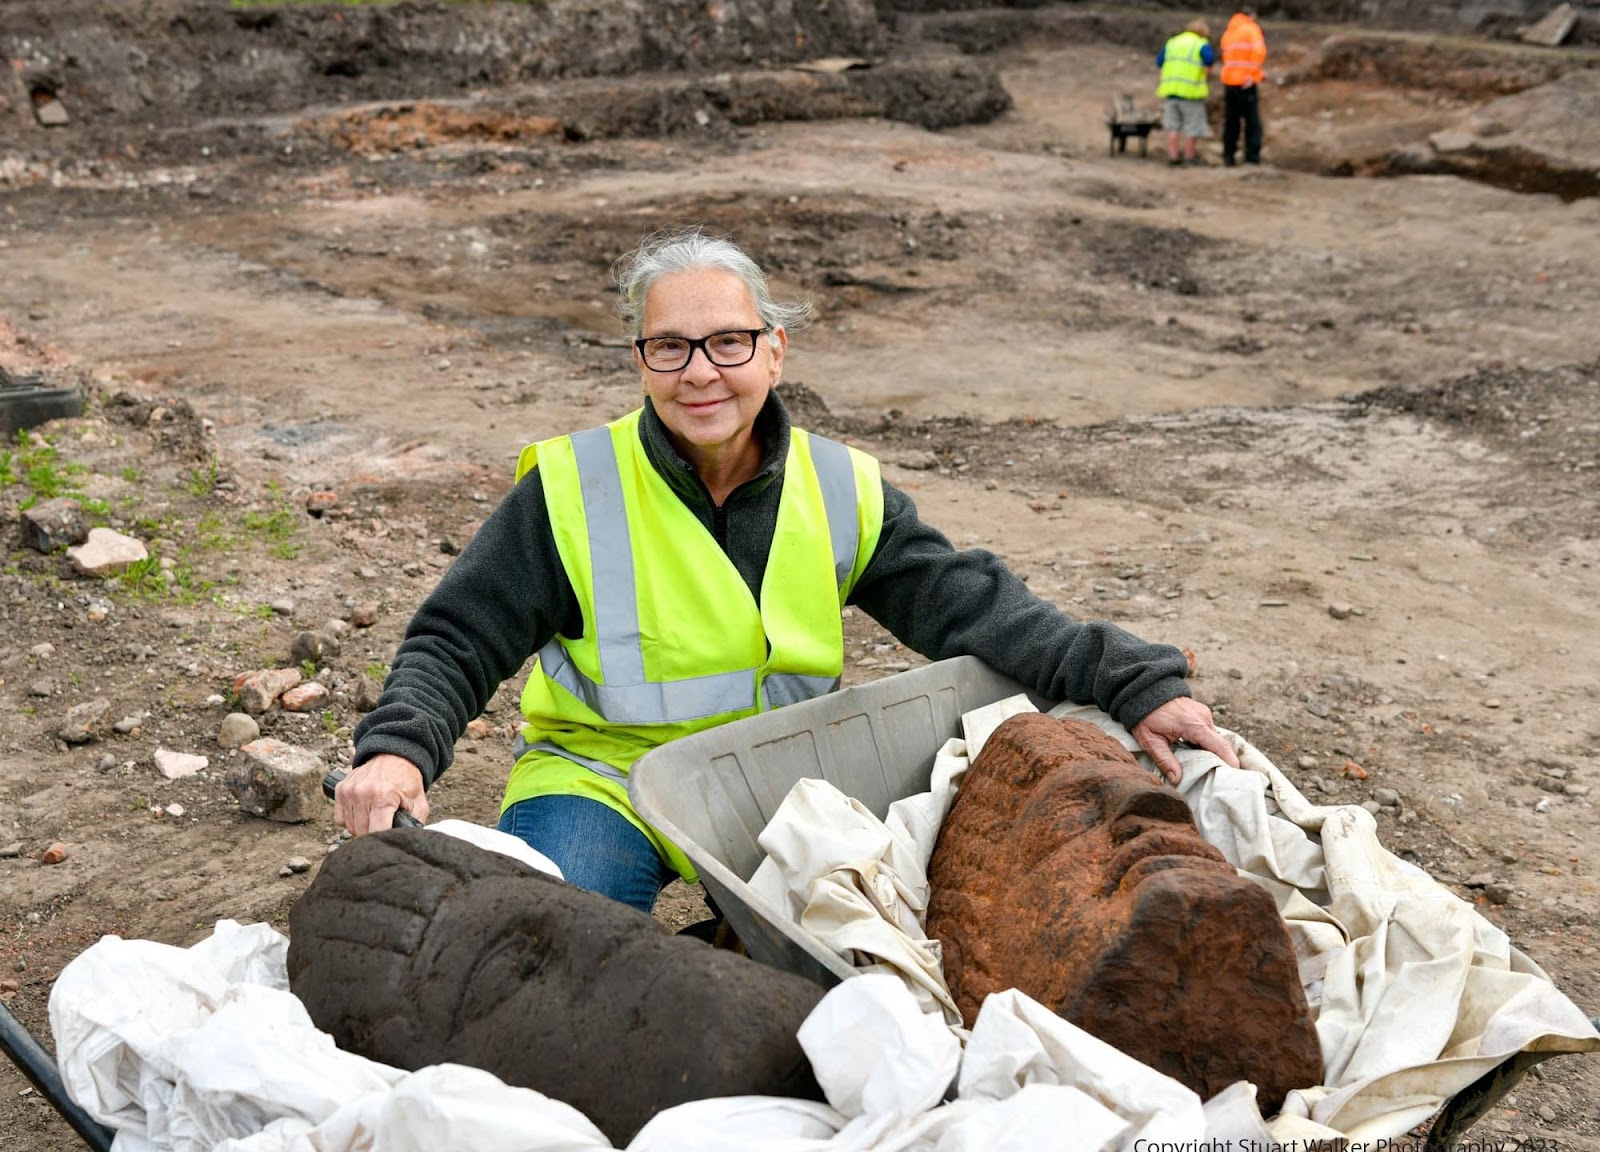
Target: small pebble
[(1547, 1114), (54, 854), (1340, 611), (1306, 763), (174, 810), (1273, 604), (299, 864), (285, 871), (1492, 702)]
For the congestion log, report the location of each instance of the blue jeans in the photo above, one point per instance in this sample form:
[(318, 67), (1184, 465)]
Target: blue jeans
[(594, 846)]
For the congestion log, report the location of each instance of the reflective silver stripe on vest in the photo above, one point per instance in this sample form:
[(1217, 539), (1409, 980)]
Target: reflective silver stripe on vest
[(627, 697), (616, 607), (782, 688), (652, 702), (837, 477), (599, 767)]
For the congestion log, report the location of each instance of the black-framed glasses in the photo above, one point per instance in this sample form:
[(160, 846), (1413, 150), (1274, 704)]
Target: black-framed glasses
[(723, 349)]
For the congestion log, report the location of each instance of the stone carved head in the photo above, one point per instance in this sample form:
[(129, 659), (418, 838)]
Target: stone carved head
[(1071, 873)]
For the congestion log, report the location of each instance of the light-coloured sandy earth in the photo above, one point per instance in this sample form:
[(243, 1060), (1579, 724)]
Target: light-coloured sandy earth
[(1151, 389)]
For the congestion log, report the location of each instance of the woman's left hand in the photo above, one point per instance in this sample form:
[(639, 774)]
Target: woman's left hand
[(1185, 719)]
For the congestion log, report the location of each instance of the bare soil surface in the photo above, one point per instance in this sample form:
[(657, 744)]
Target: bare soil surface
[(1338, 437)]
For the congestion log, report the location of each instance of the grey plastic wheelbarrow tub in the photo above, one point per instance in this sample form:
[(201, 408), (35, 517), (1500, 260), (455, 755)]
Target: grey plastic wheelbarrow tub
[(712, 793)]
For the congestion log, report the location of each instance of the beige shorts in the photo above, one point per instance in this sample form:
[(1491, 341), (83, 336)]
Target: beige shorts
[(1185, 117)]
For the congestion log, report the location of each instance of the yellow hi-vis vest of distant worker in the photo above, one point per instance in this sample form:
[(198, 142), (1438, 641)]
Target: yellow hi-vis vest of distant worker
[(1183, 72), (673, 641)]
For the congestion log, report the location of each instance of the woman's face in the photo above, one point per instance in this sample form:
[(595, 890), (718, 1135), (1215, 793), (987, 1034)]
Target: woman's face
[(706, 407)]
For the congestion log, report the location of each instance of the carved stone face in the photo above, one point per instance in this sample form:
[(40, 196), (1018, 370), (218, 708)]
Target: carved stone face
[(413, 948), (1067, 871), (1113, 821)]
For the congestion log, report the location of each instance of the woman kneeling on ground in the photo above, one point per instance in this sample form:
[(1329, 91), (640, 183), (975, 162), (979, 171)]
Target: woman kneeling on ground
[(685, 566)]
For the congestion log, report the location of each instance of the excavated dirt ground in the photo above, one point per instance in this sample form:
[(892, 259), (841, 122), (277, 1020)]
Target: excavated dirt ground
[(1209, 404)]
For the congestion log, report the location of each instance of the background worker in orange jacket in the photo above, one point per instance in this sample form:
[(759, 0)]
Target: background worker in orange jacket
[(1244, 54)]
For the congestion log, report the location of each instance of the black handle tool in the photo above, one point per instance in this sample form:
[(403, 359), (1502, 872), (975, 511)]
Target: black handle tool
[(402, 818)]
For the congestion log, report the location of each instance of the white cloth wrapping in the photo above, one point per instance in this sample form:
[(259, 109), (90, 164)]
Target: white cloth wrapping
[(862, 887), (494, 840), (202, 1048), (1415, 994)]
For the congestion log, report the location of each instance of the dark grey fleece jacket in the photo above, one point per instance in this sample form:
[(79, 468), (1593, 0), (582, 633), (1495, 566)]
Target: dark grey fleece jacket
[(507, 595)]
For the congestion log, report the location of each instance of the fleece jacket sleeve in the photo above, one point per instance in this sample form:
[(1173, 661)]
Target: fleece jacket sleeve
[(503, 599), (943, 602)]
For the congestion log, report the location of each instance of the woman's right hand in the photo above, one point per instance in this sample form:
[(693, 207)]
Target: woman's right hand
[(366, 800)]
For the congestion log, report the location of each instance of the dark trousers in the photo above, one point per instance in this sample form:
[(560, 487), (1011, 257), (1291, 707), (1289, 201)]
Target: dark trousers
[(1241, 105)]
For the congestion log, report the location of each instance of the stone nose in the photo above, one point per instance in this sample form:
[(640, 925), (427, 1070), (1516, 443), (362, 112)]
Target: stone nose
[(1131, 805)]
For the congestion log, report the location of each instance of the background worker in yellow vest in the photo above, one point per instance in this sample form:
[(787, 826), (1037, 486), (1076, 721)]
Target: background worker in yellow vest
[(685, 566), (1185, 62), (1244, 58)]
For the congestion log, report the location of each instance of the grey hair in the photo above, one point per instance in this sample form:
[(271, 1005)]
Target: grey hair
[(690, 249)]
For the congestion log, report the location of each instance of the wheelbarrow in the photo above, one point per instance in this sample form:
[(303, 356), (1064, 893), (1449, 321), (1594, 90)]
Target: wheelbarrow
[(713, 792), (1124, 120)]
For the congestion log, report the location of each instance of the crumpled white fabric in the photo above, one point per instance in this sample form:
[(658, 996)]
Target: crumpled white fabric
[(494, 840), (863, 887), (1414, 993), (184, 1049), (150, 1033)]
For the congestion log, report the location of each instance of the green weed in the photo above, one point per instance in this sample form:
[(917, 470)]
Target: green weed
[(279, 524), (142, 579), (212, 532), (203, 480), (377, 671), (38, 467)]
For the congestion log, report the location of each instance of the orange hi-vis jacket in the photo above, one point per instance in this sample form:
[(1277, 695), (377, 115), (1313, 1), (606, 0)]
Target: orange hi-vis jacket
[(1244, 52)]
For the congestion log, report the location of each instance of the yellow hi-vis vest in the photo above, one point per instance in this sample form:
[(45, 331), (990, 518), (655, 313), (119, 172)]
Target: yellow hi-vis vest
[(673, 641), (1183, 72)]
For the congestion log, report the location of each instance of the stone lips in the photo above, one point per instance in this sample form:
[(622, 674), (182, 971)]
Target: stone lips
[(413, 948), (1066, 871)]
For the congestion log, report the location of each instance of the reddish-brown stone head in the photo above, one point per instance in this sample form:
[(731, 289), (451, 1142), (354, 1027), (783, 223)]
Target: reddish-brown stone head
[(1071, 873)]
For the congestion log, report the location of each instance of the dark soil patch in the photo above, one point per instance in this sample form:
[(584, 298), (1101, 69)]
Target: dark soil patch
[(1463, 69), (1546, 417)]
